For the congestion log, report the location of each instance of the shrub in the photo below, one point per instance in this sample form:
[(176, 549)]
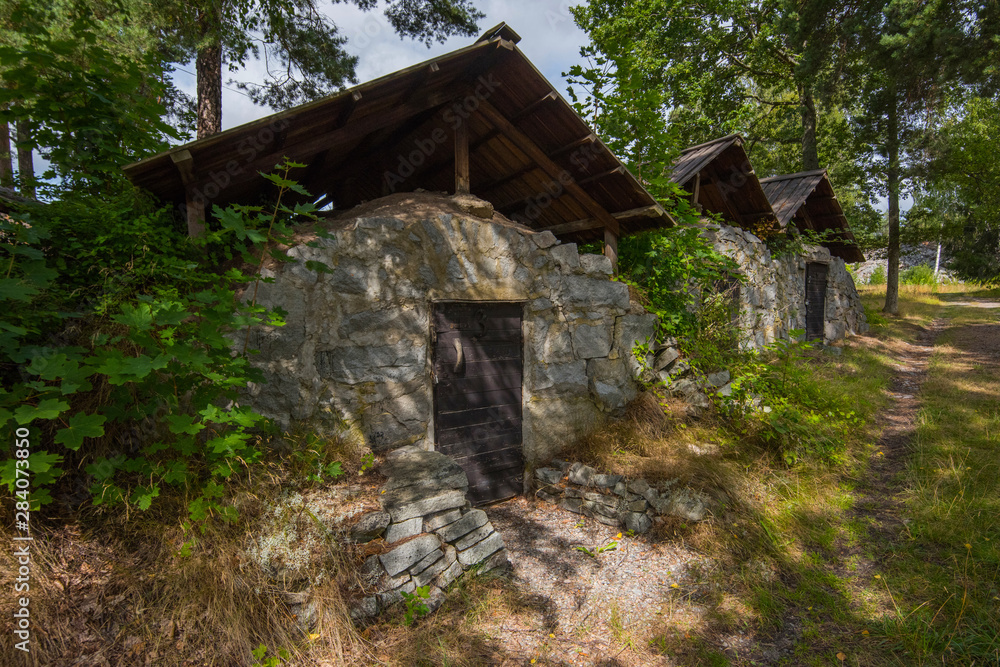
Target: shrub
[(878, 276), (918, 275)]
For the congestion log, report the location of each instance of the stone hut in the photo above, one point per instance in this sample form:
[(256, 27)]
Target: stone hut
[(457, 313), (444, 325), (810, 290)]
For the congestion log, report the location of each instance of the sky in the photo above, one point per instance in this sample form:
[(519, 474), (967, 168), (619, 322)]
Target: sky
[(549, 38)]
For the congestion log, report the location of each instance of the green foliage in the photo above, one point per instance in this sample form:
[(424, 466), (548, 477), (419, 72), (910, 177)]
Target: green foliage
[(88, 110), (776, 398), (598, 549), (150, 354), (262, 659), (672, 267), (878, 276), (416, 604), (918, 275)]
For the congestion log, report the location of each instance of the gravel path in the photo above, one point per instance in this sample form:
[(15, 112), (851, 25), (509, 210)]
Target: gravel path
[(595, 605)]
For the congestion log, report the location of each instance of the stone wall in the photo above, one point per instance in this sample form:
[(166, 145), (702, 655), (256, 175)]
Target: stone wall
[(614, 501), (354, 355), (772, 300), (438, 536)]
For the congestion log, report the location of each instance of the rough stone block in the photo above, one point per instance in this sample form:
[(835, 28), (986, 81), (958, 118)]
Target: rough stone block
[(664, 358), (435, 521), (611, 398), (403, 504), (404, 529), (584, 291), (596, 265), (370, 526), (607, 520), (580, 474), (620, 489), (638, 505), (602, 481), (715, 380), (632, 329), (548, 475), (687, 505), (637, 522), (545, 239), (390, 598), (450, 574), (474, 536), (423, 470), (638, 486), (574, 505), (548, 497), (436, 568), (425, 562), (481, 550), (567, 256), (561, 375), (365, 608), (499, 560), (406, 555), (590, 341), (468, 523)]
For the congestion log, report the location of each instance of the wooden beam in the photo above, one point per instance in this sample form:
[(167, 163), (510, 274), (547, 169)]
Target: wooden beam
[(462, 158), (604, 174), (503, 180), (194, 203), (357, 128), (654, 211), (582, 141), (550, 96), (611, 249), (348, 110), (555, 172)]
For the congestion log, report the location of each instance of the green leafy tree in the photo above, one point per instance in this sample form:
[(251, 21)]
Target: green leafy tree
[(914, 57)]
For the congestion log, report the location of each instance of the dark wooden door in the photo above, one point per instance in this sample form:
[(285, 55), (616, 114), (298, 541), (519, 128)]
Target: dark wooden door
[(477, 394), (815, 300)]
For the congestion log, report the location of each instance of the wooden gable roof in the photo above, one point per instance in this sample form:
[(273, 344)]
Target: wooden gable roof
[(486, 106), (721, 180), (807, 200)]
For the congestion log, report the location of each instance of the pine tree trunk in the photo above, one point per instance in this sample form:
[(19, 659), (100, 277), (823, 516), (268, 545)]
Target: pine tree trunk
[(892, 185), (208, 67), (6, 159), (25, 160), (810, 150)]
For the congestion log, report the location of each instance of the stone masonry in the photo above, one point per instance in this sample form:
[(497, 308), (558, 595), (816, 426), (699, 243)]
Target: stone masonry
[(438, 536), (772, 300), (353, 358), (612, 500)]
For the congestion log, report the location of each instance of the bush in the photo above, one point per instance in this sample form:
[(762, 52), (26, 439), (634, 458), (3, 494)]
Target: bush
[(878, 276), (918, 275)]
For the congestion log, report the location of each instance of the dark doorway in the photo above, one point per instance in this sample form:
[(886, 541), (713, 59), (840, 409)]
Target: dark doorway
[(477, 394), (815, 300)]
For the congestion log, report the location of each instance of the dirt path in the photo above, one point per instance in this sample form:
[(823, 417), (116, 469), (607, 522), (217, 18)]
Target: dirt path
[(877, 507), (591, 607)]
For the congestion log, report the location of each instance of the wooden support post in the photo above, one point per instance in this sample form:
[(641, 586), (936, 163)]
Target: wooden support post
[(462, 159), (194, 202), (611, 249), (195, 214)]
